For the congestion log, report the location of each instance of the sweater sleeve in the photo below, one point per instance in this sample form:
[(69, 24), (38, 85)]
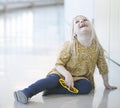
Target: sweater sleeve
[(101, 62), (64, 54)]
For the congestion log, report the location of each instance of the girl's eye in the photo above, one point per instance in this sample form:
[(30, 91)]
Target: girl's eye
[(85, 19), (76, 21)]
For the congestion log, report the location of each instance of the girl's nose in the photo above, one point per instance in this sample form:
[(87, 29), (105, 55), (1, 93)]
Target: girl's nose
[(81, 21)]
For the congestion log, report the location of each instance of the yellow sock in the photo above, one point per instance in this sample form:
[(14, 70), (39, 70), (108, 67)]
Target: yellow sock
[(73, 90)]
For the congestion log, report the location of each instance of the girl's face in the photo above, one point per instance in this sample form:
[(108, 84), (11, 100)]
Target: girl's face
[(82, 25)]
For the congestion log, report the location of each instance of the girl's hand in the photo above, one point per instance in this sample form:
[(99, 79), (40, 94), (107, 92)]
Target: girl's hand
[(108, 86), (106, 83), (69, 81)]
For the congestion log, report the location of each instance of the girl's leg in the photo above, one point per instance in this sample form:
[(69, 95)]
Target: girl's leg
[(84, 86), (58, 90), (49, 82)]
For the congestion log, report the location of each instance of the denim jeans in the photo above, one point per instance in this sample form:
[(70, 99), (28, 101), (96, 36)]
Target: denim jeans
[(51, 85)]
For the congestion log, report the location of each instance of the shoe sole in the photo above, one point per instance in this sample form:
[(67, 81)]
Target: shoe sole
[(20, 97), (15, 96)]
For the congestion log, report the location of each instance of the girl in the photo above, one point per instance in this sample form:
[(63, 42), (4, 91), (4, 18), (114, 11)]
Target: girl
[(75, 64)]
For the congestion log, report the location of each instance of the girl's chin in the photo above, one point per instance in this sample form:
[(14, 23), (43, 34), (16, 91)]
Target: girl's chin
[(84, 31)]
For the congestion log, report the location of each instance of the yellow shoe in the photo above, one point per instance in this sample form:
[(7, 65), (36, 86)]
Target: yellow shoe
[(73, 90)]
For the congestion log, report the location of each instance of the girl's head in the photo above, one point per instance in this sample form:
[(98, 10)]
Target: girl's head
[(81, 26), (83, 29), (84, 32)]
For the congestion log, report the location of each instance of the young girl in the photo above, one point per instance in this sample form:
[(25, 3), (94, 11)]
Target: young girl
[(75, 64)]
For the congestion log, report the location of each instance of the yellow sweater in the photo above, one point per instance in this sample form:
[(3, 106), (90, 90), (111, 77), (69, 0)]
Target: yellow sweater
[(81, 66)]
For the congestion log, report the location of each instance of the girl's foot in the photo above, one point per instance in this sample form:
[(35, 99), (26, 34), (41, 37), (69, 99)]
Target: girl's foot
[(20, 97)]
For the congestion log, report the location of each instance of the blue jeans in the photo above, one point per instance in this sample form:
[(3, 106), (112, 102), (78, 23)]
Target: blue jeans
[(51, 85)]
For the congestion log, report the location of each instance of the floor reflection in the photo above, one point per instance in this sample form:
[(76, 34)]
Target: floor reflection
[(104, 101), (65, 101)]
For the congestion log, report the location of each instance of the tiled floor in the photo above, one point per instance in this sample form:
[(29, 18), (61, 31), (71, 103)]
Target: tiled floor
[(20, 66)]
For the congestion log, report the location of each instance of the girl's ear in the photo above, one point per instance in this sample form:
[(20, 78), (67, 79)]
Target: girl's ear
[(75, 36)]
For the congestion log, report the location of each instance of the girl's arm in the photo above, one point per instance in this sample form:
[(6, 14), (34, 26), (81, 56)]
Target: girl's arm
[(68, 77), (103, 69), (106, 83)]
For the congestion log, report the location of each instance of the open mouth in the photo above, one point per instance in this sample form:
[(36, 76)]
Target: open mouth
[(83, 25)]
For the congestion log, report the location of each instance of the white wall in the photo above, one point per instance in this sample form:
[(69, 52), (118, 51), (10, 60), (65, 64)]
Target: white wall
[(107, 24), (115, 30), (76, 7)]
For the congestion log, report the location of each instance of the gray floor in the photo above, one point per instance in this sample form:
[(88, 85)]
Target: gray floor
[(20, 71), (22, 64)]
